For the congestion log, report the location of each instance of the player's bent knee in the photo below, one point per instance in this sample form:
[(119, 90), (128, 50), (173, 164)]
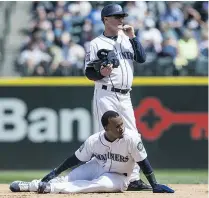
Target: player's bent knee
[(111, 184)]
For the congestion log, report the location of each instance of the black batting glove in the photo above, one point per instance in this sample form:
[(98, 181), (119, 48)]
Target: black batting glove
[(160, 188), (50, 176)]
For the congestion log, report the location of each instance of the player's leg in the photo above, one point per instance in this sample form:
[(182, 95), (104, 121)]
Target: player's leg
[(23, 186), (128, 112), (87, 171), (103, 101), (107, 182)]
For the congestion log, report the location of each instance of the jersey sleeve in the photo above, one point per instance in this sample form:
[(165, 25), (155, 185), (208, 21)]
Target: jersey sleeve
[(137, 149), (91, 54), (139, 52), (84, 153)]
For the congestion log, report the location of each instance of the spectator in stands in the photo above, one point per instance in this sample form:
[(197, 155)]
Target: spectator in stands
[(133, 7), (95, 18), (187, 46), (187, 52), (202, 62), (77, 55), (87, 32), (192, 21), (167, 31), (174, 17), (151, 39), (169, 48), (151, 36), (202, 8), (157, 8), (33, 57), (58, 30), (56, 53), (203, 45)]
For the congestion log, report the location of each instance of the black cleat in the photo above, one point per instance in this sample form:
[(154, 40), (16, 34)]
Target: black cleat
[(139, 185)]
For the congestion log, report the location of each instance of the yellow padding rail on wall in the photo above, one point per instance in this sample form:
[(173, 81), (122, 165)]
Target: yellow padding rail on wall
[(83, 81)]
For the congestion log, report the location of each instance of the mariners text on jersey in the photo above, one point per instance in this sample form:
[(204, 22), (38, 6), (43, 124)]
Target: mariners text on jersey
[(112, 156)]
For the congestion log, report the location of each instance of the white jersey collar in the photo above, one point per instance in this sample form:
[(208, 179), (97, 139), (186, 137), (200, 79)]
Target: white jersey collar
[(105, 142), (119, 39)]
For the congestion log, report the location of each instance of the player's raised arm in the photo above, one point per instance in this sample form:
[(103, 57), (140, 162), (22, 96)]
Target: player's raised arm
[(139, 53), (83, 154), (139, 154)]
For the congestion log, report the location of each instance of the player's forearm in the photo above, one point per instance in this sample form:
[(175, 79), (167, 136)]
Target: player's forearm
[(148, 171), (92, 74), (68, 163), (139, 53)]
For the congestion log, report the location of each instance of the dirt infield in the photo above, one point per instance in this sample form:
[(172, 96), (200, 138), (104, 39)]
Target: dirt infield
[(182, 191)]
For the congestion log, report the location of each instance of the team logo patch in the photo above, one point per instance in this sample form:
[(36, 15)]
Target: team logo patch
[(87, 56), (81, 147), (140, 146)]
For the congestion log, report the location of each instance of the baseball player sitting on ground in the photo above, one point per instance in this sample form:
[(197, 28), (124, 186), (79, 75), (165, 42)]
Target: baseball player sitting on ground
[(116, 152)]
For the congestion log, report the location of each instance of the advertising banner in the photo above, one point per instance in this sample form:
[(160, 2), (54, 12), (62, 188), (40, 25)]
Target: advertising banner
[(42, 123)]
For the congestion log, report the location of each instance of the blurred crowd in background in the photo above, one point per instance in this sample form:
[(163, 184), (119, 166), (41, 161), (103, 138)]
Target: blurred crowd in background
[(174, 35)]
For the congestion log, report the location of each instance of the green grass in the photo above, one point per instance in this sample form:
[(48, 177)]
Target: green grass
[(186, 176), (163, 176)]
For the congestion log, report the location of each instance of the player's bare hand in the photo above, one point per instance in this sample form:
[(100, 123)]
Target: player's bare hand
[(129, 31), (106, 70)]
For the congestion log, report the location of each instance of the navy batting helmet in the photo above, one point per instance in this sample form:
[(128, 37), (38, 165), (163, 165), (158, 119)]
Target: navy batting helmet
[(112, 9)]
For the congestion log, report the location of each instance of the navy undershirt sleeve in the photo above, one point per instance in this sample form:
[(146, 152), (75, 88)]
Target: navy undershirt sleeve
[(68, 163), (139, 52)]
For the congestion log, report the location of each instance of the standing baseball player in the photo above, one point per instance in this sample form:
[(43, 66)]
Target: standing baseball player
[(114, 75), (116, 151)]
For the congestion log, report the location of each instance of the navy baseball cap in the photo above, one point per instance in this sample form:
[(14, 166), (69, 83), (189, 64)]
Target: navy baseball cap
[(112, 9)]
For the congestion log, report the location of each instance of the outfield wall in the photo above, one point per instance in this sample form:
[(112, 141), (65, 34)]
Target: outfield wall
[(43, 120)]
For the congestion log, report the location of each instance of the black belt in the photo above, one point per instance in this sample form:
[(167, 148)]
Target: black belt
[(122, 91)]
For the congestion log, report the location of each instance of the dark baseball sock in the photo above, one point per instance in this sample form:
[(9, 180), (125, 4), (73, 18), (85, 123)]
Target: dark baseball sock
[(148, 171)]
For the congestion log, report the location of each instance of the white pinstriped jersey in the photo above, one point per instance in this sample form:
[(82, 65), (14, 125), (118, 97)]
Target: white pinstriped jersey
[(118, 156), (121, 77)]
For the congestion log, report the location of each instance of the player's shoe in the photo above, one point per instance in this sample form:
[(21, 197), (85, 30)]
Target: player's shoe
[(44, 187), (138, 186), (19, 186)]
